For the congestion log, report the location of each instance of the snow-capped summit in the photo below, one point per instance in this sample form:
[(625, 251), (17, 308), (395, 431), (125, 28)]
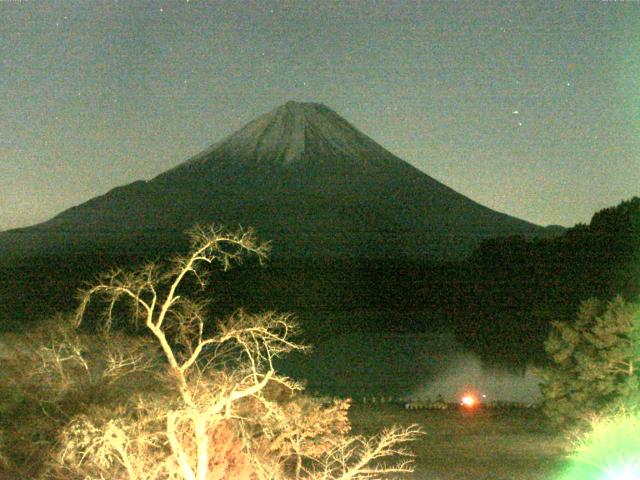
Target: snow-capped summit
[(305, 178), (294, 133)]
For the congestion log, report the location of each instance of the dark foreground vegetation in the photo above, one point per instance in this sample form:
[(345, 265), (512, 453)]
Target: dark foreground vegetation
[(509, 288), (143, 385)]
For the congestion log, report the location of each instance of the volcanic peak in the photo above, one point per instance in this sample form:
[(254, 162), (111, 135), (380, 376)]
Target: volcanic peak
[(302, 176), (290, 134)]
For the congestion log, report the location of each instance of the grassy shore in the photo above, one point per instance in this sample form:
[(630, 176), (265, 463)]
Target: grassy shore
[(479, 445)]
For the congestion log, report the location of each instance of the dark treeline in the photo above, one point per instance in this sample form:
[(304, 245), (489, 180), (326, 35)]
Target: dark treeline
[(505, 295), (499, 301)]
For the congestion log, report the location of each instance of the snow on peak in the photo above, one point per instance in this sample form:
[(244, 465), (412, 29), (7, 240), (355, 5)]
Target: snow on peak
[(293, 131)]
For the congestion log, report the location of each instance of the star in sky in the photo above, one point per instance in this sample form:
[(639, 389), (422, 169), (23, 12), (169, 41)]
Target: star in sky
[(565, 69)]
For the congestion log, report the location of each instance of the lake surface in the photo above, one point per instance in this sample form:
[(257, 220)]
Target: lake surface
[(405, 364)]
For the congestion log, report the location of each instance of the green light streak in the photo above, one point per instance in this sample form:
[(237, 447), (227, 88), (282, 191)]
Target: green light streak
[(610, 451)]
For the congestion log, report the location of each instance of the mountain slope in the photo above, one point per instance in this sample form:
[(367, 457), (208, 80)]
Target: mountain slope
[(304, 178)]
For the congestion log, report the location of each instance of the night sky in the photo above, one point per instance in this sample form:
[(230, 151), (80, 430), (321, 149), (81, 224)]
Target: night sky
[(531, 108)]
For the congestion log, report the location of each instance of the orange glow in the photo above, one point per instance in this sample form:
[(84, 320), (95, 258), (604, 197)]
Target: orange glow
[(468, 400)]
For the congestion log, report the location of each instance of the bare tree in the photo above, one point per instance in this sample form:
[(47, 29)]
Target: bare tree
[(54, 373), (359, 458), (214, 417)]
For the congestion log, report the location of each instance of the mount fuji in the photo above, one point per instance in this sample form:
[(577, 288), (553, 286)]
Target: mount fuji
[(304, 177)]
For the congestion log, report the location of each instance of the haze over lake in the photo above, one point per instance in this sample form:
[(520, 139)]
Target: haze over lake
[(416, 365)]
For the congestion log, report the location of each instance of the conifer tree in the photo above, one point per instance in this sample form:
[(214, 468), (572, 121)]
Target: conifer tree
[(595, 361)]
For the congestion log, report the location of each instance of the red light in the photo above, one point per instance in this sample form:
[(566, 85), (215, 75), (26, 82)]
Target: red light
[(468, 400)]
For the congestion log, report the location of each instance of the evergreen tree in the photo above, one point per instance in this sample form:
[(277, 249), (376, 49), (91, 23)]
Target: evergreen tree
[(594, 361)]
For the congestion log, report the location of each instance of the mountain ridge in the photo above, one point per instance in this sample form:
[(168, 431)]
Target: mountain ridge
[(293, 137), (305, 178)]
